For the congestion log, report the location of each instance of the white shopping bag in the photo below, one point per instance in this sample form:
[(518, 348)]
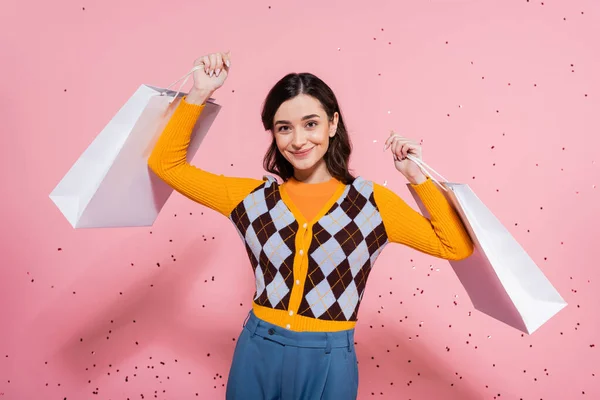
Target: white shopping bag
[(500, 278), (110, 185)]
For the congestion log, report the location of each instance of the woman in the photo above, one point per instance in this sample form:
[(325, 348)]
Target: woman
[(312, 240)]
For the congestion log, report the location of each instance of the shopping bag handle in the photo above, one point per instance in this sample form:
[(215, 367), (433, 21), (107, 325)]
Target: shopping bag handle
[(186, 77), (421, 164)]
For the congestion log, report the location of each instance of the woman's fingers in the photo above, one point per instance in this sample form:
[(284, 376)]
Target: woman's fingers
[(404, 150), (396, 147), (206, 63), (389, 140), (219, 64), (400, 146), (213, 63), (227, 58)]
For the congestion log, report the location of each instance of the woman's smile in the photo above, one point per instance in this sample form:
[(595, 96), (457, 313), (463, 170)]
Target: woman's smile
[(303, 153)]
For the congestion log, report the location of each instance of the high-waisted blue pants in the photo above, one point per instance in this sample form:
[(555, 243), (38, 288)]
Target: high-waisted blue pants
[(274, 363)]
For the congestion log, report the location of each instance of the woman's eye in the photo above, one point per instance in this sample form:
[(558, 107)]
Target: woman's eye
[(311, 122)]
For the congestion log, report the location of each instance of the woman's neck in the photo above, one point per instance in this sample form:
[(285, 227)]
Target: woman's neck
[(318, 174)]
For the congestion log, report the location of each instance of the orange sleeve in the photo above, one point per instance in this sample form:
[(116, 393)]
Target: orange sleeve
[(169, 162), (443, 236)]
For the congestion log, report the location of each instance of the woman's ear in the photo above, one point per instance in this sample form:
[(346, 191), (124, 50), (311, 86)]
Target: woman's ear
[(334, 123)]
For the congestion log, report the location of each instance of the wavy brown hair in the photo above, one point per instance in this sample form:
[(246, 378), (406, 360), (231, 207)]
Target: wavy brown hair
[(340, 147)]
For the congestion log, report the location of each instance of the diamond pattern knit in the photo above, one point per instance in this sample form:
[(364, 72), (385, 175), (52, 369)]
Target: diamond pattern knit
[(345, 244)]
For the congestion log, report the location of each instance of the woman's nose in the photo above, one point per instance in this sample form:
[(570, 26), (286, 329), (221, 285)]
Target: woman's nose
[(299, 138)]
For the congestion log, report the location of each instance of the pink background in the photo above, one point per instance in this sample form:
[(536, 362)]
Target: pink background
[(505, 96)]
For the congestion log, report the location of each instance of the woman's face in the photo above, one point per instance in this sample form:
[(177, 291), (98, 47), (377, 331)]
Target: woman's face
[(302, 131)]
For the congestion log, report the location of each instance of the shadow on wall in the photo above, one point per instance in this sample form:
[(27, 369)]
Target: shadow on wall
[(435, 378), (156, 311)]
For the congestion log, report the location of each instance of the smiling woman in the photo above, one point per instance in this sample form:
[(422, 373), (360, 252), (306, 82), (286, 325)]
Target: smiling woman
[(304, 140), (310, 141), (312, 240)]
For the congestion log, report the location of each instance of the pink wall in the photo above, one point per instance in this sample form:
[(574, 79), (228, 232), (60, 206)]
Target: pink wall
[(505, 95)]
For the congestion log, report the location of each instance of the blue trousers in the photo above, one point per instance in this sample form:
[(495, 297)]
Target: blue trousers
[(274, 363)]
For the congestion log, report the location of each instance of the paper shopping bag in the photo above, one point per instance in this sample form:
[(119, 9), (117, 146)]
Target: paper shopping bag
[(110, 185), (500, 278)]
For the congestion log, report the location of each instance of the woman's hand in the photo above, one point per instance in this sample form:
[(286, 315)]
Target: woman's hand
[(215, 71), (402, 147)]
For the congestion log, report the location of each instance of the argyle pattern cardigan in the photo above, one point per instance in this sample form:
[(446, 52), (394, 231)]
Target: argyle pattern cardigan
[(345, 244)]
